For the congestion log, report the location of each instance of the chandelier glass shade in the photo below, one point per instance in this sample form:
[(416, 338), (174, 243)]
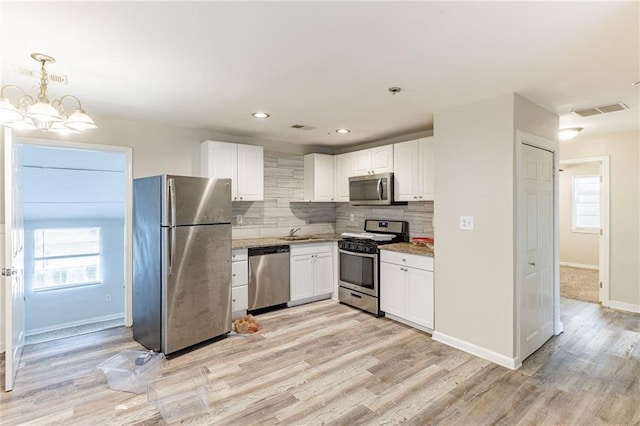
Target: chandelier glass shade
[(40, 113)]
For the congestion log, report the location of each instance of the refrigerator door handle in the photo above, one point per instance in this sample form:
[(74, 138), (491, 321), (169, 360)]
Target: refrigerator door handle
[(172, 249), (172, 202)]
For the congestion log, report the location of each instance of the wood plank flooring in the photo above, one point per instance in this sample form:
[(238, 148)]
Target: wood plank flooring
[(326, 363)]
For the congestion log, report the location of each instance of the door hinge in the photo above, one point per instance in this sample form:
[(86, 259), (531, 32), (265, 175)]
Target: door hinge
[(601, 233), (8, 272), (600, 284)]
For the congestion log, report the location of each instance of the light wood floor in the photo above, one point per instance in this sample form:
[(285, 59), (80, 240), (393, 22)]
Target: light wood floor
[(326, 363)]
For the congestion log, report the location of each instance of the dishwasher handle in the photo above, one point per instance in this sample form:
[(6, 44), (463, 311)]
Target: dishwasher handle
[(261, 251)]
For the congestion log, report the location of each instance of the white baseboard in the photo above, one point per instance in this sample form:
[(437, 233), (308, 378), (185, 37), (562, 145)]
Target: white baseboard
[(479, 351), (622, 306), (580, 265), (75, 324)]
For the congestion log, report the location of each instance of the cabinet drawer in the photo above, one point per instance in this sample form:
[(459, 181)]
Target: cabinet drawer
[(239, 273), (410, 260), (239, 254), (239, 298), (317, 248)]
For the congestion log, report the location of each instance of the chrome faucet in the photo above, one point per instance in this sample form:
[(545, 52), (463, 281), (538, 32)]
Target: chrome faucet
[(293, 231)]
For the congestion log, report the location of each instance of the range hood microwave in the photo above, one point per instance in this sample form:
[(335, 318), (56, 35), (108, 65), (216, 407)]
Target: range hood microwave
[(372, 190)]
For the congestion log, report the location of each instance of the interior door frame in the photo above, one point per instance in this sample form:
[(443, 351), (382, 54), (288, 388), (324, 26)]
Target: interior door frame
[(604, 240), (525, 138), (128, 207)]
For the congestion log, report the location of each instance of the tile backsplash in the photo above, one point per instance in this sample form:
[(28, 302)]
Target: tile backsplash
[(419, 215), (283, 207)]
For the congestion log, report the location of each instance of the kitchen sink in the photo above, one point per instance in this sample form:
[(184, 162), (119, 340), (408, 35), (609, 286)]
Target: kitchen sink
[(296, 238)]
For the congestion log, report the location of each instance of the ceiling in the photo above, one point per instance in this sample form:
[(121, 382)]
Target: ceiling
[(328, 65)]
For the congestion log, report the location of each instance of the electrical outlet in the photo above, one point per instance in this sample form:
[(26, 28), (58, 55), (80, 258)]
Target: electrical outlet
[(108, 298), (466, 223), (239, 219), (352, 217)]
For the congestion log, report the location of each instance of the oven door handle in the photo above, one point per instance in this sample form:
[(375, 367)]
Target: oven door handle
[(353, 253)]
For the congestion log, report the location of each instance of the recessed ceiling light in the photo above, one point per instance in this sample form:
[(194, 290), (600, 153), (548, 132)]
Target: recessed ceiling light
[(260, 115), (570, 133), (343, 131)]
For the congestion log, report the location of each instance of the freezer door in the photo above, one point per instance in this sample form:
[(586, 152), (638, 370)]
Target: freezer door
[(195, 201), (196, 284)]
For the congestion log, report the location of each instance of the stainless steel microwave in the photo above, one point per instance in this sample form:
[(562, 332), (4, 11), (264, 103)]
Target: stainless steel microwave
[(372, 190)]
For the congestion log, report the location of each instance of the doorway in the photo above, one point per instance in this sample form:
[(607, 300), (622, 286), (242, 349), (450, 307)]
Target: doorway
[(73, 202), (584, 229)]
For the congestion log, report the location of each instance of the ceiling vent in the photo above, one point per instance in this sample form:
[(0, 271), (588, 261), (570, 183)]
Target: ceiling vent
[(35, 74), (603, 109), (302, 127)]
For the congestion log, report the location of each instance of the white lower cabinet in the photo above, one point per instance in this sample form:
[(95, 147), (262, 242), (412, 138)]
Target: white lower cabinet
[(239, 283), (406, 288), (311, 272)]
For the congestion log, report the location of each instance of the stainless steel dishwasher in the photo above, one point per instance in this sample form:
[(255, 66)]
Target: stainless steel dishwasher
[(268, 277)]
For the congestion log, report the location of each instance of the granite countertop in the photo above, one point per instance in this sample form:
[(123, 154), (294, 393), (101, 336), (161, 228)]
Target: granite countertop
[(278, 241), (408, 248)]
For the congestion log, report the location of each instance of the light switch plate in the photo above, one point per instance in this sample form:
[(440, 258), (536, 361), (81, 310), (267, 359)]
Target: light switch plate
[(352, 217), (239, 219), (466, 223)]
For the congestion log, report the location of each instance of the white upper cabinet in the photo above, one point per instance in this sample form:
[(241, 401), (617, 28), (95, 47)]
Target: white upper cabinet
[(373, 161), (243, 164), (318, 177), (414, 170), (343, 168)]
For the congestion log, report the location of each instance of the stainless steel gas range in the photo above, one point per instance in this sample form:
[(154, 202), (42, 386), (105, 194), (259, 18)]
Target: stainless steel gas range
[(359, 262)]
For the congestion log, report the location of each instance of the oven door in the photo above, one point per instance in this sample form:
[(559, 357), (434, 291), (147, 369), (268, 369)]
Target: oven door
[(359, 272)]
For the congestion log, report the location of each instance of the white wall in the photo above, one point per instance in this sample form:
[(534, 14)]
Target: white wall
[(575, 247), (475, 176), (623, 150), (53, 309)]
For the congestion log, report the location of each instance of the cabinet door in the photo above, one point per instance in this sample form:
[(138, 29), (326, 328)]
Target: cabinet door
[(250, 173), (323, 178), (382, 159), (240, 299), (343, 168), (301, 277), (323, 265), (420, 297), (392, 289), (426, 190), (239, 273), (219, 160), (406, 160), (362, 162)]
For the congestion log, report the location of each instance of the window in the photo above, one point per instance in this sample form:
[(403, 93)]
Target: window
[(66, 257), (586, 204)]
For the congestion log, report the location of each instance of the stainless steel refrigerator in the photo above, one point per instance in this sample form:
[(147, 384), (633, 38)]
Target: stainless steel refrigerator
[(181, 261)]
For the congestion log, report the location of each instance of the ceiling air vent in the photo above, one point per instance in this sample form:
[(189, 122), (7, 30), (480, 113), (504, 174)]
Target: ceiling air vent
[(603, 109), (302, 127), (35, 74)]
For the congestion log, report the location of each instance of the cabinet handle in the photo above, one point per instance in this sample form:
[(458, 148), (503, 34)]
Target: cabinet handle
[(420, 196), (414, 197), (233, 275), (532, 263), (241, 198), (404, 260)]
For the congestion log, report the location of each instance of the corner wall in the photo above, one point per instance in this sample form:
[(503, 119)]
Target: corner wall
[(475, 175)]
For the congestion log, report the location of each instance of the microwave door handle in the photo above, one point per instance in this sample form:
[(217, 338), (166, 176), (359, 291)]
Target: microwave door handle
[(380, 189)]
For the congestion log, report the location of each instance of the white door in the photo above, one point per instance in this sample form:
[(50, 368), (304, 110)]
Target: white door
[(323, 178), (250, 173), (393, 289), (323, 273), (301, 277), (420, 297), (536, 267), (406, 165), (14, 259)]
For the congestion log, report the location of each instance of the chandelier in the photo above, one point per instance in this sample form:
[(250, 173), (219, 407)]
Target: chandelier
[(39, 113)]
